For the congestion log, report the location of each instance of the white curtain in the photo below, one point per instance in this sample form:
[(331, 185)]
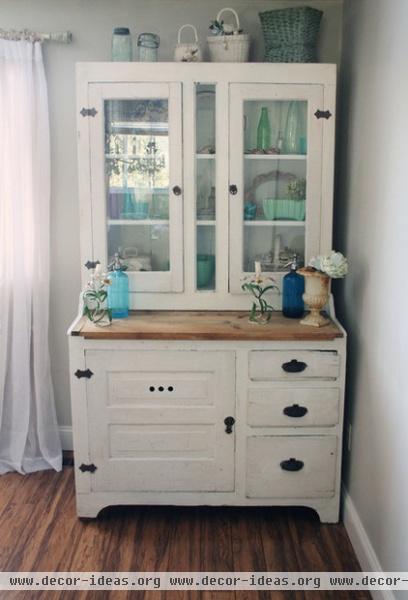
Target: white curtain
[(29, 439)]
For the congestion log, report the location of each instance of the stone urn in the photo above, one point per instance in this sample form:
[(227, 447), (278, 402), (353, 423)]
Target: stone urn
[(317, 289)]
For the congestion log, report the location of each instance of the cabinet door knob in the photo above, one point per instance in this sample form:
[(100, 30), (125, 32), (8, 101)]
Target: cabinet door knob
[(295, 411), (294, 366), (292, 464), (233, 189), (177, 190), (229, 422)]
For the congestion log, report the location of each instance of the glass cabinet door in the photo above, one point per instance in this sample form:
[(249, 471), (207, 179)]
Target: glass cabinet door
[(275, 170), (205, 187), (136, 167)]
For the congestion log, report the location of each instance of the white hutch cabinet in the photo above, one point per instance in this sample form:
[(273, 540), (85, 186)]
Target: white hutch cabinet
[(186, 402)]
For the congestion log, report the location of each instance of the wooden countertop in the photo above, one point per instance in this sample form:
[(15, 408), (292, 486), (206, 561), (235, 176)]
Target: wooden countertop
[(204, 325)]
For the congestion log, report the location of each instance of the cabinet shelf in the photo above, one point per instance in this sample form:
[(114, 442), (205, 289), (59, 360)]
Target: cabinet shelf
[(127, 156), (138, 222), (275, 223), (275, 156), (205, 156), (203, 222)]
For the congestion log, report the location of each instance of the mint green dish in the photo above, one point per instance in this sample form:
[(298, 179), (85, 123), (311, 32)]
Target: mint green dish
[(277, 209), (205, 269)]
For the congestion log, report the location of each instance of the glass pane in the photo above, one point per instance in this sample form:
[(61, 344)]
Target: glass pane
[(205, 186), (137, 174), (143, 247), (274, 247), (275, 162)]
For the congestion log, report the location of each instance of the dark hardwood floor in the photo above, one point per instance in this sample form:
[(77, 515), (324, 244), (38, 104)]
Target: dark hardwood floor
[(39, 531)]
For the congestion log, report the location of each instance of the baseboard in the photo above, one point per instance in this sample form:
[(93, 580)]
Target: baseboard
[(362, 545), (66, 437)]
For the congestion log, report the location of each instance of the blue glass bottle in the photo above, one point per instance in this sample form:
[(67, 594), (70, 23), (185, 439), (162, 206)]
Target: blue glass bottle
[(293, 289), (118, 290)]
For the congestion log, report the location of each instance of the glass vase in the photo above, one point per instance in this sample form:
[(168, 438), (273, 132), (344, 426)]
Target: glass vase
[(293, 129), (263, 137)]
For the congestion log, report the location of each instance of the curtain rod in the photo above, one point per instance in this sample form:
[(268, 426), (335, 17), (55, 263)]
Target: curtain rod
[(64, 37)]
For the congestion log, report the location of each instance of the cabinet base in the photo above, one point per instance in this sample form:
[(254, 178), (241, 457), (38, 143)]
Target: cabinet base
[(90, 505)]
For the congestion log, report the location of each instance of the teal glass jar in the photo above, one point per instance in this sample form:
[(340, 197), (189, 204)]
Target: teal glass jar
[(263, 134), (118, 290), (121, 45), (148, 44)]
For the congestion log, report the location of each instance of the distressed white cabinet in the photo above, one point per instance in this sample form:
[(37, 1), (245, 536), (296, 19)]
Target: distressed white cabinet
[(171, 176), (172, 408), (188, 403)]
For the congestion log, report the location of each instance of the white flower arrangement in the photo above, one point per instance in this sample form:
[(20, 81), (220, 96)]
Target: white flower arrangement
[(257, 285), (335, 265), (94, 297)]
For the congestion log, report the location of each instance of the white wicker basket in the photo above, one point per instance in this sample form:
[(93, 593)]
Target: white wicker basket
[(187, 51), (229, 48)]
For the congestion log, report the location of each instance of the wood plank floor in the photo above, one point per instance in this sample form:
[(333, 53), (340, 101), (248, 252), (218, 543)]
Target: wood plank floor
[(39, 531)]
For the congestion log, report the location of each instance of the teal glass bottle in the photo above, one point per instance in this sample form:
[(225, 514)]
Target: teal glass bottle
[(292, 296), (118, 290), (293, 129), (263, 134)]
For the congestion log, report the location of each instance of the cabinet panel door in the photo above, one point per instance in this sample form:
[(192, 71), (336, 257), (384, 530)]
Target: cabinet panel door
[(275, 176), (136, 181), (156, 420)]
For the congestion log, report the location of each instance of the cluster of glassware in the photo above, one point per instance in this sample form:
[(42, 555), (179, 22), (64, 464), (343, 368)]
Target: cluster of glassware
[(147, 43), (293, 141)]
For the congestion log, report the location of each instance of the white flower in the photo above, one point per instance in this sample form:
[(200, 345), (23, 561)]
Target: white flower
[(316, 262), (335, 265)]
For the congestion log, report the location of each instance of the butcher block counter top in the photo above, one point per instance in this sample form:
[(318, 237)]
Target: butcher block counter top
[(204, 325)]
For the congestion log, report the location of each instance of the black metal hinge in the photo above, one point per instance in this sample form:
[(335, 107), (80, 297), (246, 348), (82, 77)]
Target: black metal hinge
[(91, 264), (91, 468), (323, 114), (87, 373), (88, 112)]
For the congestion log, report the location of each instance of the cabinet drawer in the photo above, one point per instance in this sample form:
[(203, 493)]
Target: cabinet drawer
[(293, 407), (269, 457), (292, 365)]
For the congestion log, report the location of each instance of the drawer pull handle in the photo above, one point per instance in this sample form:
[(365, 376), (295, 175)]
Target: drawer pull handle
[(177, 190), (233, 189), (229, 422), (292, 464), (294, 366), (295, 411)]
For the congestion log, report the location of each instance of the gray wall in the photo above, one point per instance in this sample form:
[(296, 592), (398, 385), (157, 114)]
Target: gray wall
[(371, 228), (91, 22)]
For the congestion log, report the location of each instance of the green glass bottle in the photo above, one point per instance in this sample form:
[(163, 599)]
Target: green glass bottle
[(263, 137)]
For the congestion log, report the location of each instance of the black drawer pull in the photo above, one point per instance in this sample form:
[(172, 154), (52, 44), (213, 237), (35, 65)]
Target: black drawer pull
[(295, 411), (294, 366), (177, 190), (292, 464), (229, 422), (233, 189)]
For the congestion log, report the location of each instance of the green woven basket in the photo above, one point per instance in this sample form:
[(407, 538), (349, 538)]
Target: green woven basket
[(290, 34)]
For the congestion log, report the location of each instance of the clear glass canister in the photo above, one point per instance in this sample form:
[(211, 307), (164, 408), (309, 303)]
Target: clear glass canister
[(121, 44), (148, 44)]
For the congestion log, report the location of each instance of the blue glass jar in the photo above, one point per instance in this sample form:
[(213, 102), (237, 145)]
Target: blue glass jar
[(118, 290), (148, 44), (293, 290), (121, 44)]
